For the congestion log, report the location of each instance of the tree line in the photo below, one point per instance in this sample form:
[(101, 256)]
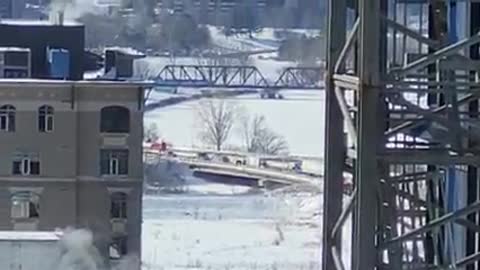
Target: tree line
[(218, 119)]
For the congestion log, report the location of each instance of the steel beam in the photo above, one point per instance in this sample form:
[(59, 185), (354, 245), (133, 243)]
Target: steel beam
[(435, 223), (430, 157), (432, 58), (415, 35), (345, 212), (352, 37), (352, 132), (337, 259), (346, 81), (364, 249), (410, 124), (334, 140)]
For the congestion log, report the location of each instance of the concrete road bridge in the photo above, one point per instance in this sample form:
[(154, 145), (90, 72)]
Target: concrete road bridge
[(279, 173)]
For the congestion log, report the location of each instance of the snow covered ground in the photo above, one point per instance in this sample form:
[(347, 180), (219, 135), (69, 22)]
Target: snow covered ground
[(239, 231), (299, 117), (221, 226), (265, 39), (225, 227)]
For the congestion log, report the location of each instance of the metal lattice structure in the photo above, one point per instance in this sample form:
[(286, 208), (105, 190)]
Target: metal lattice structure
[(245, 77), (407, 93)]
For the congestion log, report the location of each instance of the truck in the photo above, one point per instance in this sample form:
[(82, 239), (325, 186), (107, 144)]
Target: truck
[(25, 250)]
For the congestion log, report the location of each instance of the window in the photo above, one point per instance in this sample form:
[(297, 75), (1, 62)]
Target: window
[(26, 165), (25, 204), (45, 119), (115, 119), (7, 118), (113, 162), (118, 205), (118, 247)]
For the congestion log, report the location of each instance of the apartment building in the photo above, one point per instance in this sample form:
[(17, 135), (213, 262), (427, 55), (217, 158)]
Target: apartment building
[(72, 157), (267, 13)]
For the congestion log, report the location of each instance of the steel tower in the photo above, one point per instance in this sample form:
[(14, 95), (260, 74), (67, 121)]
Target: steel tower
[(402, 82)]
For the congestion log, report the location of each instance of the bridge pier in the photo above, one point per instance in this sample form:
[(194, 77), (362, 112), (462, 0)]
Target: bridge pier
[(269, 184)]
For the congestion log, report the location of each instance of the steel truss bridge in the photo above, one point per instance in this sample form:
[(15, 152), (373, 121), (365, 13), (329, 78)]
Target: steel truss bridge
[(408, 94), (237, 77)]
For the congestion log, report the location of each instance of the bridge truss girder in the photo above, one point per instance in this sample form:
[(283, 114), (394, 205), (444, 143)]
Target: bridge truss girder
[(400, 218), (244, 77)]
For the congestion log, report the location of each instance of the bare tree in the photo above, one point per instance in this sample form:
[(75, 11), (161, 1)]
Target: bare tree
[(259, 138), (151, 133), (216, 118)]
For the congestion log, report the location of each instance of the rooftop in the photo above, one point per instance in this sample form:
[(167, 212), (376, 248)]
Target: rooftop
[(126, 50), (14, 49), (48, 82), (23, 22)]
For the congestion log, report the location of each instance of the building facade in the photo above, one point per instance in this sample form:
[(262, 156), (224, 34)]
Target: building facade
[(12, 8), (72, 157), (40, 37)]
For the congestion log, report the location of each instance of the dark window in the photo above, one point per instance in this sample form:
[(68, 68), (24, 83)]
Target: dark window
[(7, 118), (15, 73), (113, 162), (34, 167), (25, 204), (16, 59), (118, 205), (17, 167), (26, 166), (115, 119), (45, 119)]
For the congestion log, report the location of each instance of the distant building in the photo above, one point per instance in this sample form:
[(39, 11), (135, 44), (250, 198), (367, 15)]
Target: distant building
[(12, 8), (72, 156), (119, 62), (41, 37), (268, 13)]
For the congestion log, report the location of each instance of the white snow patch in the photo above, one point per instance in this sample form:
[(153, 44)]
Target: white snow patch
[(232, 232)]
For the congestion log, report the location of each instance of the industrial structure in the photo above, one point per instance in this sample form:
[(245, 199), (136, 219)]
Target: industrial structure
[(402, 81), (61, 41), (71, 149)]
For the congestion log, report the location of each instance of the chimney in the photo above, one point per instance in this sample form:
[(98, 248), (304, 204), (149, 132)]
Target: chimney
[(61, 15)]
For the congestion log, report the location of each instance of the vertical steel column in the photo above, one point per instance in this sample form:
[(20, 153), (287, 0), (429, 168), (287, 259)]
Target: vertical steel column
[(472, 244), (364, 251), (334, 142)]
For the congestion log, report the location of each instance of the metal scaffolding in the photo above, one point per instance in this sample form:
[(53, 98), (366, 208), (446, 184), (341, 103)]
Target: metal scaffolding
[(402, 83)]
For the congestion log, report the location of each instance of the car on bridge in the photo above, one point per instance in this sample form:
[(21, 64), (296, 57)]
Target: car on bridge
[(270, 94)]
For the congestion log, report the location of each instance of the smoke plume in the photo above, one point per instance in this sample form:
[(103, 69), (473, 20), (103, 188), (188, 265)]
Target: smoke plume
[(73, 9), (78, 251)]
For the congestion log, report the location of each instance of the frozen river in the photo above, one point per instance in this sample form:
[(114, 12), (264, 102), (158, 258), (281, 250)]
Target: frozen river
[(299, 117)]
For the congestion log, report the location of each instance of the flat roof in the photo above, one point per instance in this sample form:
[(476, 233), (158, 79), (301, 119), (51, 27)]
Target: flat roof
[(14, 49), (126, 50), (48, 82), (29, 236), (23, 22)]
